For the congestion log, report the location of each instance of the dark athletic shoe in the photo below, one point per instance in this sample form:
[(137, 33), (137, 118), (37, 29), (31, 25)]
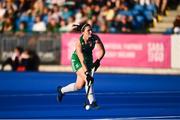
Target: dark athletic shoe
[(94, 105), (60, 94)]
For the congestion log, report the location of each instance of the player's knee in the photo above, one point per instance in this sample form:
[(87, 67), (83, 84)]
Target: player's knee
[(79, 87)]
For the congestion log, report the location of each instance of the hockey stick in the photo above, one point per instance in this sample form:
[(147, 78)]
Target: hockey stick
[(87, 104)]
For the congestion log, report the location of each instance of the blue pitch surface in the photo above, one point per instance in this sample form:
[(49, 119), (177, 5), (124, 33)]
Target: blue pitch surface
[(126, 96)]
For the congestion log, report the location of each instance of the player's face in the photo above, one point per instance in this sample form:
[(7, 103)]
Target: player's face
[(88, 31)]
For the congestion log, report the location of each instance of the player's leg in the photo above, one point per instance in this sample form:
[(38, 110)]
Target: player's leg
[(72, 87)]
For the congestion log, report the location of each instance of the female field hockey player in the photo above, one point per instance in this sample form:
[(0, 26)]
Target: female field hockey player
[(82, 63)]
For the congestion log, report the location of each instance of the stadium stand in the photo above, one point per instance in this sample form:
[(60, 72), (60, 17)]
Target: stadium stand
[(114, 16)]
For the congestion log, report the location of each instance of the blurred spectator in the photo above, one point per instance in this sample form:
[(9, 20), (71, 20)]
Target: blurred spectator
[(8, 25), (13, 61), (108, 12), (29, 61), (2, 10), (125, 24), (70, 22), (39, 25), (104, 27), (63, 25), (66, 13), (22, 28), (161, 6), (10, 7), (121, 24), (52, 26), (23, 6), (22, 60), (55, 12), (38, 6)]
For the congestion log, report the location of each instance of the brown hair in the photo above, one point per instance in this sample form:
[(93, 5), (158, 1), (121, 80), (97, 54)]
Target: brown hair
[(80, 28)]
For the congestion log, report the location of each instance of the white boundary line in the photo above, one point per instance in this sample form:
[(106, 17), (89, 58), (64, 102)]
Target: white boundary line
[(144, 118), (123, 118), (98, 93)]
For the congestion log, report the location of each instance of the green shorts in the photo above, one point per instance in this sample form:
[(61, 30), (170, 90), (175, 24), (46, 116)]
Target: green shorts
[(76, 64)]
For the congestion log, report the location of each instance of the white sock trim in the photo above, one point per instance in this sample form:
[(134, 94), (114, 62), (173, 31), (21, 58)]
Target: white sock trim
[(69, 88)]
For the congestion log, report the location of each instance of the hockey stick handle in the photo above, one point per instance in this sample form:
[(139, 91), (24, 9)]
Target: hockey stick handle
[(92, 74)]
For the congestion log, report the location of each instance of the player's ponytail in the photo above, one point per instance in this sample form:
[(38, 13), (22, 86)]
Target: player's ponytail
[(80, 28), (76, 27)]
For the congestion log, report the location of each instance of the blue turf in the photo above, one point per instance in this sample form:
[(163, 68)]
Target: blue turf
[(33, 95)]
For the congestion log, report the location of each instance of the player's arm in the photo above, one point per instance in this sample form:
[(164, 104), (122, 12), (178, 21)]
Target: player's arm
[(100, 47), (80, 55), (101, 52)]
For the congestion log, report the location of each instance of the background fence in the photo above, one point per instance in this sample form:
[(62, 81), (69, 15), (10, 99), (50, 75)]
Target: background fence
[(46, 45)]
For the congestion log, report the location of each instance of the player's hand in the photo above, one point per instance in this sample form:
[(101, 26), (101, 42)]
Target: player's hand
[(96, 64), (89, 77)]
